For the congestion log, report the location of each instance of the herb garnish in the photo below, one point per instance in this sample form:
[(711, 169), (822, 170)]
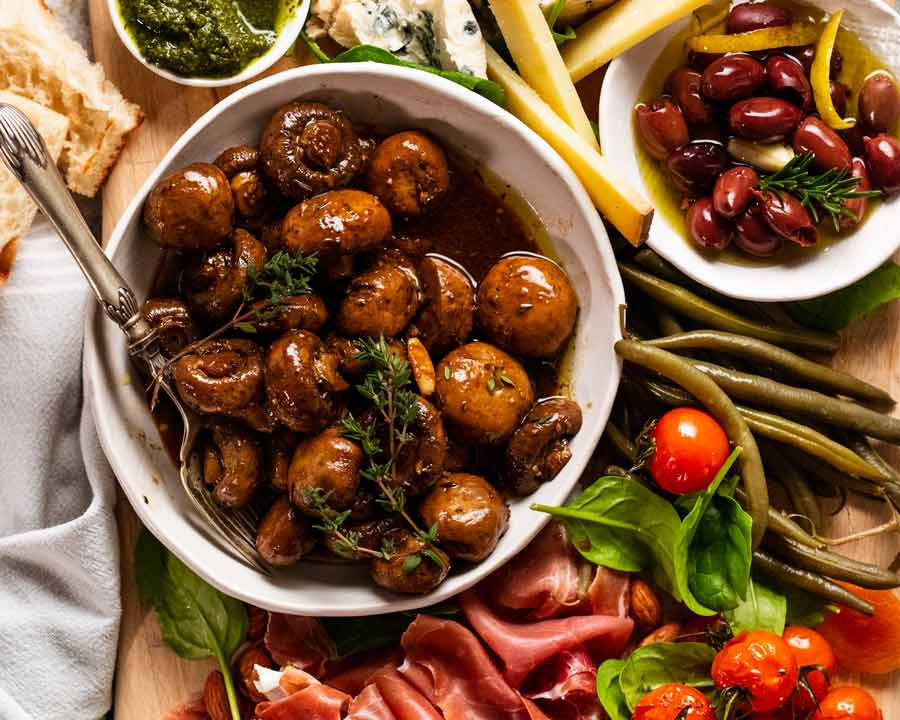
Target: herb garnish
[(821, 193), (566, 33), (281, 275), (346, 540)]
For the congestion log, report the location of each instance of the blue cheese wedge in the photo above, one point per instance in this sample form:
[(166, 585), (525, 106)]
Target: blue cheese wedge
[(440, 33)]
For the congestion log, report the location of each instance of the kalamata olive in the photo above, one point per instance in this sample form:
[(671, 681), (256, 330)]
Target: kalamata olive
[(700, 61), (707, 228), (858, 205), (787, 217), (661, 126), (763, 118), (713, 132), (879, 102), (815, 136), (755, 16), (733, 192), (807, 53), (883, 159), (787, 79), (694, 167), (753, 235), (684, 84), (839, 94), (854, 138), (733, 77)]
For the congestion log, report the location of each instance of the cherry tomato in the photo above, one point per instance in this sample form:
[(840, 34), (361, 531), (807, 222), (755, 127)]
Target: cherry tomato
[(810, 648), (690, 448), (760, 664), (669, 701), (848, 703)]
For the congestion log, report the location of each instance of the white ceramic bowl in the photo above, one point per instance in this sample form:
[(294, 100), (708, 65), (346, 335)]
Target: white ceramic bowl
[(835, 266), (391, 98), (287, 35)]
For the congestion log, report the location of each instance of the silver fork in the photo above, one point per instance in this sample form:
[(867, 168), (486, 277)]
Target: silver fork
[(24, 152)]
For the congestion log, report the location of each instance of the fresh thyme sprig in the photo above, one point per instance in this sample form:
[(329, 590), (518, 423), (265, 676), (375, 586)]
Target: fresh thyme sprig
[(346, 540), (823, 193), (281, 275), (386, 385), (559, 35)]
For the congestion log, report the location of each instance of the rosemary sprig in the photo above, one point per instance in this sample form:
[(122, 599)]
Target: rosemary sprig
[(281, 275), (821, 193)]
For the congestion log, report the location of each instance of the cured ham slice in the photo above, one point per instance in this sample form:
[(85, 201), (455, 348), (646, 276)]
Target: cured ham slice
[(522, 647), (566, 686), (352, 674), (314, 702), (369, 705), (448, 665), (404, 700), (547, 579), (608, 593), (278, 684), (193, 709), (300, 641)]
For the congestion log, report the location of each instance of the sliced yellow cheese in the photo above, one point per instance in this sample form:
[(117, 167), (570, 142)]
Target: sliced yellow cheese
[(619, 28), (613, 195), (531, 45)]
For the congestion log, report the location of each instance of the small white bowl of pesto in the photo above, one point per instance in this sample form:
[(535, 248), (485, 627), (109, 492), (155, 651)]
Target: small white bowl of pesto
[(208, 43)]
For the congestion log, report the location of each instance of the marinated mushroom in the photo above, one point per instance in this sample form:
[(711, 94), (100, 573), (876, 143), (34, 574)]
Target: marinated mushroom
[(469, 514), (308, 147), (368, 535), (448, 308), (381, 301), (280, 448), (302, 382), (214, 283), (241, 166), (409, 569), (325, 472), (539, 448), (220, 376), (284, 536), (295, 312), (408, 172), (347, 353), (343, 222), (232, 463), (483, 393), (420, 462), (172, 320), (526, 304), (192, 209)]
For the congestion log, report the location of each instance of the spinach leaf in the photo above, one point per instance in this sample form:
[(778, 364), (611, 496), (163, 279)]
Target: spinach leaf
[(197, 621), (838, 309), (806, 609), (659, 663), (369, 53), (609, 692), (762, 609), (624, 526)]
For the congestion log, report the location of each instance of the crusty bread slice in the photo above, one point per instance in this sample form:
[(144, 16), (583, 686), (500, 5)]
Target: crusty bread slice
[(39, 61), (17, 210)]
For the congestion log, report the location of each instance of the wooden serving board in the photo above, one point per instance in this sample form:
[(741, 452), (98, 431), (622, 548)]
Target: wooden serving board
[(150, 678)]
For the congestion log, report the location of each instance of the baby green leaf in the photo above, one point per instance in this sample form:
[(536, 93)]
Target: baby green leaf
[(651, 666), (763, 609), (609, 691)]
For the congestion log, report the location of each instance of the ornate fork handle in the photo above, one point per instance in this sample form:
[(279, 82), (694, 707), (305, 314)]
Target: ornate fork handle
[(26, 155)]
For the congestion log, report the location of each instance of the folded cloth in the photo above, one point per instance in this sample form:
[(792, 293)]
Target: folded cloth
[(59, 568)]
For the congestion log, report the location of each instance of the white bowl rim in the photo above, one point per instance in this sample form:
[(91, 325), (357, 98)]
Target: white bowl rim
[(91, 363), (703, 272), (287, 36)]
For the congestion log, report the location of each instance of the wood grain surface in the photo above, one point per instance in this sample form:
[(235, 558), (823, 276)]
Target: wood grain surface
[(150, 678)]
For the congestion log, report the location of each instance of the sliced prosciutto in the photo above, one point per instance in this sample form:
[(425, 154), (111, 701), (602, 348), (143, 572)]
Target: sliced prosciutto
[(352, 674), (522, 647), (546, 579), (404, 700), (608, 593), (369, 705), (448, 665), (566, 686), (300, 641), (314, 702)]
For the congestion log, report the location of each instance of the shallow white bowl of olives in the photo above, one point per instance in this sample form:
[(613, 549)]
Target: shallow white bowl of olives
[(388, 98), (800, 274)]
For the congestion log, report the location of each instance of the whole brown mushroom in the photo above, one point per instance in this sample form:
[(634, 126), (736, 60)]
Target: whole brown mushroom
[(192, 209), (232, 463), (241, 166), (420, 462), (526, 304), (220, 376), (448, 306), (284, 536), (469, 514), (172, 320), (409, 569), (408, 172), (369, 536), (325, 469)]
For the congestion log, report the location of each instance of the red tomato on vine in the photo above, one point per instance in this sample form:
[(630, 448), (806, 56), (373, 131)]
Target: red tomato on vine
[(674, 701), (848, 703), (690, 448), (757, 667), (810, 649)]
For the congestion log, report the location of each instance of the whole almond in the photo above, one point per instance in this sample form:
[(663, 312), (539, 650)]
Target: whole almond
[(665, 633), (245, 669), (645, 606), (257, 621), (215, 698)]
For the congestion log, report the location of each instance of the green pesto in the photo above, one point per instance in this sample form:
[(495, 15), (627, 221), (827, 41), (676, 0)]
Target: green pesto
[(201, 38)]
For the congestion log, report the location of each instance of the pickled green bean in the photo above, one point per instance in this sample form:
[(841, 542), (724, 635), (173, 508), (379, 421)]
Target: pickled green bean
[(800, 493), (720, 406), (810, 582), (620, 442), (766, 353), (833, 565), (780, 524), (703, 311), (668, 323)]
